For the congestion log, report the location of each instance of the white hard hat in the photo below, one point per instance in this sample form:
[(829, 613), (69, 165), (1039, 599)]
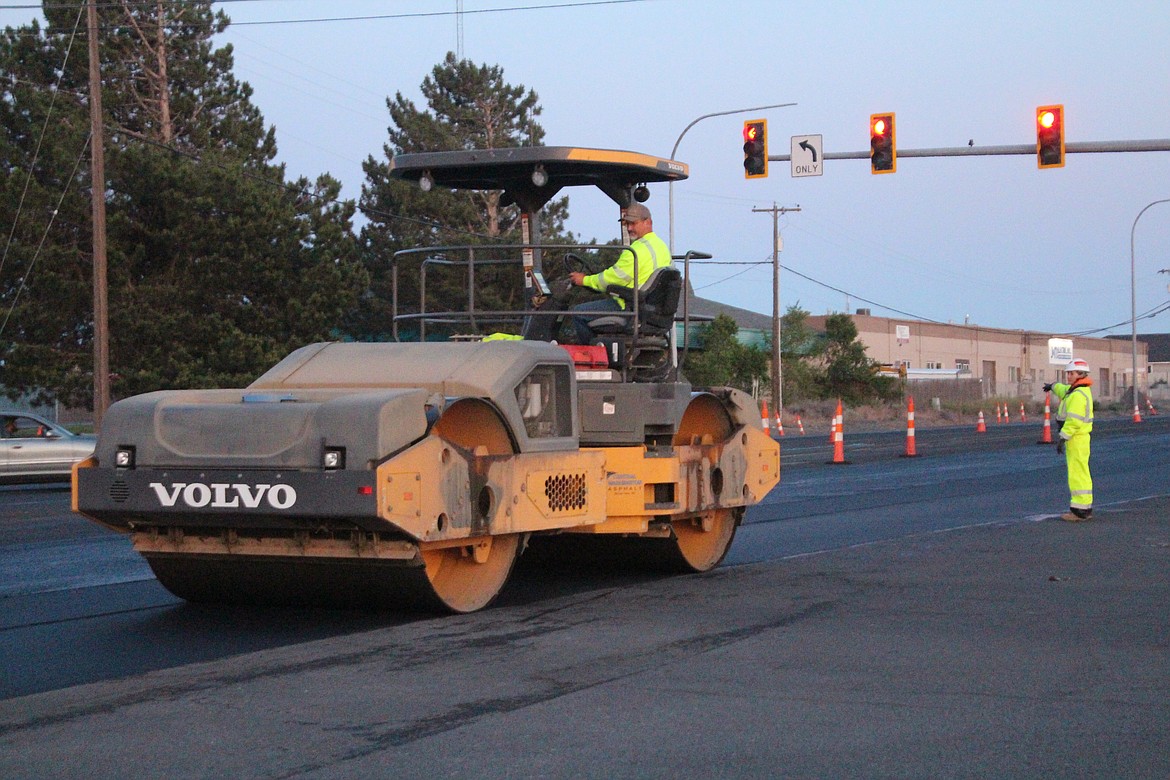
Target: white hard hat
[(1077, 364)]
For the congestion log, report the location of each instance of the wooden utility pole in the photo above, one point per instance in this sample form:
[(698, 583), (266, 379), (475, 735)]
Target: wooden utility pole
[(777, 382), (101, 338)]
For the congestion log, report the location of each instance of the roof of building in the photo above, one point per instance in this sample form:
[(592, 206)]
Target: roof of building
[(704, 308), (1158, 344)]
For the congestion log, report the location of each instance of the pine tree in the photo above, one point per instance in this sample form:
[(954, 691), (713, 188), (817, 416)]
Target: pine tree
[(217, 265), (468, 107)]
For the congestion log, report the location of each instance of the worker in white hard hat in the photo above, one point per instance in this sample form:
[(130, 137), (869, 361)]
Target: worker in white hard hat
[(1076, 410)]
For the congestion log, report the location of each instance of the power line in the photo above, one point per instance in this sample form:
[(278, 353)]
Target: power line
[(44, 236), (40, 140), (363, 18), (430, 14)]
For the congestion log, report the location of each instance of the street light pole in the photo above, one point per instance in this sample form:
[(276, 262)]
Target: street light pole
[(1133, 302), (674, 151)]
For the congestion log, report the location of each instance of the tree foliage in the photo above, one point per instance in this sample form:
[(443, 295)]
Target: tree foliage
[(216, 265), (847, 372), (722, 361), (468, 106), (800, 348)]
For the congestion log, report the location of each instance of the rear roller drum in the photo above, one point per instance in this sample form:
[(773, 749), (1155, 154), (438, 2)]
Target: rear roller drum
[(696, 544), (699, 543)]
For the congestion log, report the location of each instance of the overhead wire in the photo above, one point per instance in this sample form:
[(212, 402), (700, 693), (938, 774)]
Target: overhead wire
[(360, 18), (428, 14), (44, 236), (41, 139), (1148, 314)]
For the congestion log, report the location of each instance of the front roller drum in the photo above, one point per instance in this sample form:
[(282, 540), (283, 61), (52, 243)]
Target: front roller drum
[(701, 543), (450, 579)]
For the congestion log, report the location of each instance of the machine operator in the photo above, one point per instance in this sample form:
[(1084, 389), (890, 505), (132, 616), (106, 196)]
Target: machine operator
[(652, 253)]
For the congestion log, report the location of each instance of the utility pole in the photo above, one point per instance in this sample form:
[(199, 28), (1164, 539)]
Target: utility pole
[(777, 383), (101, 337)]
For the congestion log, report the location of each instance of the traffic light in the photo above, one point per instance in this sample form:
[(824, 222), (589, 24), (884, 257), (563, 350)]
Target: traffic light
[(883, 152), (1050, 137), (755, 149)]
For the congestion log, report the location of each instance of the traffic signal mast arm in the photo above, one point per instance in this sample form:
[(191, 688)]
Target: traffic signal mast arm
[(1070, 147)]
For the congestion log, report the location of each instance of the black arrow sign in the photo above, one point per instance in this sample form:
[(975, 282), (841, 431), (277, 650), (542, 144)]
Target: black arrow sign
[(810, 149)]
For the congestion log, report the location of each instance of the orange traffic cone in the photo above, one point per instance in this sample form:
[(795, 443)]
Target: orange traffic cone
[(1023, 414), (839, 437), (779, 423), (982, 426), (1046, 438), (765, 420), (1137, 415), (799, 425), (1150, 407), (998, 413), (911, 450)]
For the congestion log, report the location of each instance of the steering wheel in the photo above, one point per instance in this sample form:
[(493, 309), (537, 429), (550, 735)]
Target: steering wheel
[(575, 263)]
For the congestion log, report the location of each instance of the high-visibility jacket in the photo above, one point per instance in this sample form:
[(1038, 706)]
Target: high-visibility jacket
[(652, 254), (1076, 408)]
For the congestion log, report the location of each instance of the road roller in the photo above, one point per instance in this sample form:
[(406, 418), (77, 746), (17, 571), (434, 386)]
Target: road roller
[(413, 473)]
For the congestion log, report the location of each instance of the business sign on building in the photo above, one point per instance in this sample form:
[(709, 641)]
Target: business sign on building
[(902, 333), (1060, 351)]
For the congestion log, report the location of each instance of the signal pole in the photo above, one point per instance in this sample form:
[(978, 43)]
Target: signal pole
[(777, 383)]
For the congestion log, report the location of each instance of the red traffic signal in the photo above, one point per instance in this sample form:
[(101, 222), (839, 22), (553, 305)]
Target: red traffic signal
[(755, 149), (883, 150), (1050, 137)]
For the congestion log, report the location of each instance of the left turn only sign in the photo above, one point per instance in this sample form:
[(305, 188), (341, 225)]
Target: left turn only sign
[(807, 159)]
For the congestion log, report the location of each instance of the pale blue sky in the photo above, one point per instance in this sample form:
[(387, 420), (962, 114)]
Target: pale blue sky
[(989, 238)]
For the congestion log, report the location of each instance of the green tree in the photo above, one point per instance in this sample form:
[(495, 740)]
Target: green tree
[(217, 265), (468, 106), (722, 360), (848, 373), (800, 349)]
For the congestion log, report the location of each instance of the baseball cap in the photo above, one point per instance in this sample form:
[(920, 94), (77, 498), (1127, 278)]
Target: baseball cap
[(635, 212)]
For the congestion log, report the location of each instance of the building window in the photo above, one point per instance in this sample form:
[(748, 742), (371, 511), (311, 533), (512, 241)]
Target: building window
[(963, 365), (1013, 374), (933, 364)]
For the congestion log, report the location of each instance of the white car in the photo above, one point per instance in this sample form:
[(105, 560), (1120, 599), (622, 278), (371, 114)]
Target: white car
[(32, 449)]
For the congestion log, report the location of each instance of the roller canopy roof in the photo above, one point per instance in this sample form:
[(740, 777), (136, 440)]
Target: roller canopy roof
[(614, 172)]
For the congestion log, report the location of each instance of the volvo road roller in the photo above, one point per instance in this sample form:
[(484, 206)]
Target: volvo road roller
[(412, 473)]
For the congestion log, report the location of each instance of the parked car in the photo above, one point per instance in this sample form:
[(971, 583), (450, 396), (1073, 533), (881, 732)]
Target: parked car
[(32, 449)]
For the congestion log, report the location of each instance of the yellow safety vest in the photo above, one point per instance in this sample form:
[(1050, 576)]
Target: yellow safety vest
[(1076, 409), (652, 254)]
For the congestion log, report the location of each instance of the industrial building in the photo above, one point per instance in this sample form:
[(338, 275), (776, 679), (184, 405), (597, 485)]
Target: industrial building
[(1012, 363)]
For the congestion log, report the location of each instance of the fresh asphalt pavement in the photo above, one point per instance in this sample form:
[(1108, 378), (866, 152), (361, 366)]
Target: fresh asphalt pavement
[(1014, 645)]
